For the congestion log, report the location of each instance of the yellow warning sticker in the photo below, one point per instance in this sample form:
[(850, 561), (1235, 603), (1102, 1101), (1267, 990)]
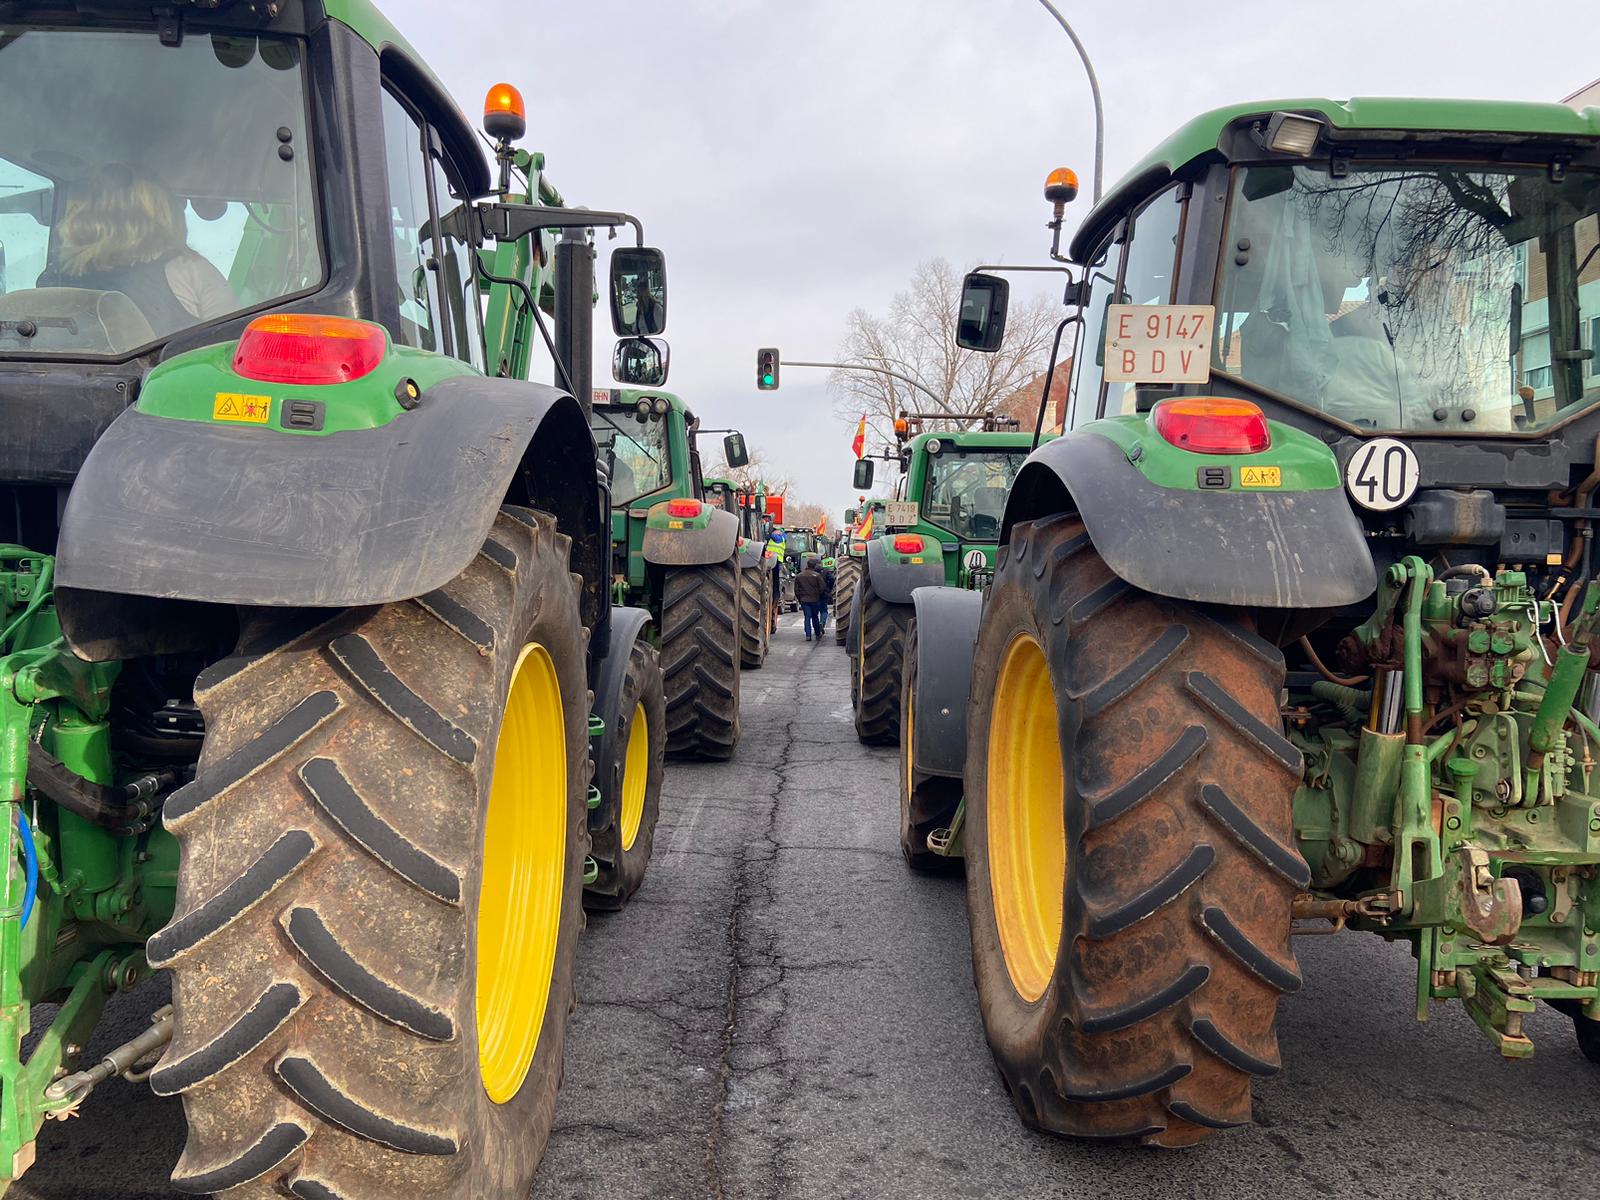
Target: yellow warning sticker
[(235, 406), (1260, 476), (674, 524)]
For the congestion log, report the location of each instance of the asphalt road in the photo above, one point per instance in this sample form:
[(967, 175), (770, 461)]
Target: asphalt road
[(785, 1013)]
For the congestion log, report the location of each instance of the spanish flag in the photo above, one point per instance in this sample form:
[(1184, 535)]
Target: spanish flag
[(822, 525), (859, 445), (865, 531)]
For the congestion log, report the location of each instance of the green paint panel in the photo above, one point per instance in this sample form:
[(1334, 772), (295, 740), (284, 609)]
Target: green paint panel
[(660, 518), (1303, 462), (193, 387)]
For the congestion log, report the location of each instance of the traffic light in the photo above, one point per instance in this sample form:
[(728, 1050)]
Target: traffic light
[(767, 369)]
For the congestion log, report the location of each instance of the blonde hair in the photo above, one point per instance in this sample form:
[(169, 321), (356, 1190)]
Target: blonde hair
[(122, 218)]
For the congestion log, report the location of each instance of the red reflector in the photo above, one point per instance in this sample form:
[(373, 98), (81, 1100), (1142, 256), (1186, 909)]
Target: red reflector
[(306, 349), (683, 508), (908, 543), (1212, 425)]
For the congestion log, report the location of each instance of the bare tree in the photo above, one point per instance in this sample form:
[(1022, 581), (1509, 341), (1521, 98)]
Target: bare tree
[(757, 470), (917, 338), (802, 514)]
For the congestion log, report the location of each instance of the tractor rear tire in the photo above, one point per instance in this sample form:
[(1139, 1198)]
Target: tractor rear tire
[(622, 829), (879, 660), (1586, 1030), (845, 578), (927, 802), (389, 819), (752, 618), (700, 659), (1130, 862)]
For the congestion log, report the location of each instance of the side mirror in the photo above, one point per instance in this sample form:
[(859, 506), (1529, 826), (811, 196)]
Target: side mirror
[(982, 324), (642, 362), (863, 475), (638, 292), (849, 516), (733, 450)]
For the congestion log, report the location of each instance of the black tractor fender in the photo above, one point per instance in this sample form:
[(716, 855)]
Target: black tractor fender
[(947, 636), (1258, 548), (893, 580), (628, 625), (750, 556), (169, 518), (714, 543)]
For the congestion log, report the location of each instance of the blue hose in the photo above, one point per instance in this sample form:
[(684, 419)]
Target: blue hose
[(30, 859)]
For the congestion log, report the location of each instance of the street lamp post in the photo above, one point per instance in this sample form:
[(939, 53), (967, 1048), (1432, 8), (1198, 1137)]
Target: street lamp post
[(1094, 90)]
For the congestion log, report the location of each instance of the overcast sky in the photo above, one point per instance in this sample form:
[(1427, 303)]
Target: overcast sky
[(797, 158)]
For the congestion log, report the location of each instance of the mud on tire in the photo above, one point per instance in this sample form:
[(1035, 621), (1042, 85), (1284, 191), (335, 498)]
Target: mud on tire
[(700, 659), (879, 660), (324, 950), (845, 577), (1157, 1009), (621, 862), (753, 601)]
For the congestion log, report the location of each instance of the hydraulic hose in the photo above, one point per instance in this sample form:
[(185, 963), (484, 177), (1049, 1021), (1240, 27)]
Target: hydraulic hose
[(116, 808), (30, 863)]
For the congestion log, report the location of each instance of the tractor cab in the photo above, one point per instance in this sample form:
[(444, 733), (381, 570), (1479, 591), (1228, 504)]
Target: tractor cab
[(951, 495), (1413, 284)]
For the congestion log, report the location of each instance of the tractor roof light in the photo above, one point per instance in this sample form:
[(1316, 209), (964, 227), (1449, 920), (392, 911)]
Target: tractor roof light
[(303, 348), (1291, 134), (683, 508), (1212, 425), (1061, 186), (901, 427), (908, 543), (505, 116)]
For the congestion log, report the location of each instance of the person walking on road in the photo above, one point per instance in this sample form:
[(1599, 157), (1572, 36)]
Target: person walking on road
[(811, 593)]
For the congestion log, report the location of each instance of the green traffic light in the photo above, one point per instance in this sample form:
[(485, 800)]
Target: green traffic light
[(767, 380)]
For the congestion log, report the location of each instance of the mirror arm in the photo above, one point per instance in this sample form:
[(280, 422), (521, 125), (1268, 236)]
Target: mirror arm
[(512, 222), (1068, 297), (1049, 377), (538, 319)]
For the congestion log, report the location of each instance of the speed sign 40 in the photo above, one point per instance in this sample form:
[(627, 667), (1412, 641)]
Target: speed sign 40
[(1382, 474)]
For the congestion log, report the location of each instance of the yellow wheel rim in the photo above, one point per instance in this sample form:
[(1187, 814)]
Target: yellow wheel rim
[(635, 775), (524, 865), (909, 718), (1026, 833)]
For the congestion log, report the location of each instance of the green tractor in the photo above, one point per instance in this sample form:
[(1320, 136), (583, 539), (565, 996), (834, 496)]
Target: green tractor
[(852, 551), (757, 569), (941, 529), (682, 558), (304, 596), (1295, 629)]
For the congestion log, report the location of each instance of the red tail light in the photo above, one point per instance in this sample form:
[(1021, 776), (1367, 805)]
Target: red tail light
[(908, 543), (306, 349), (683, 508), (1212, 425)]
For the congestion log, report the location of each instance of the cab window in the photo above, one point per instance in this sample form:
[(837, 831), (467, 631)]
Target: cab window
[(1149, 262), (460, 279), (634, 449), (416, 287), (1091, 356)]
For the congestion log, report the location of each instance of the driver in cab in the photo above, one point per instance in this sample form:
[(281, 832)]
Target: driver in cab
[(125, 233)]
